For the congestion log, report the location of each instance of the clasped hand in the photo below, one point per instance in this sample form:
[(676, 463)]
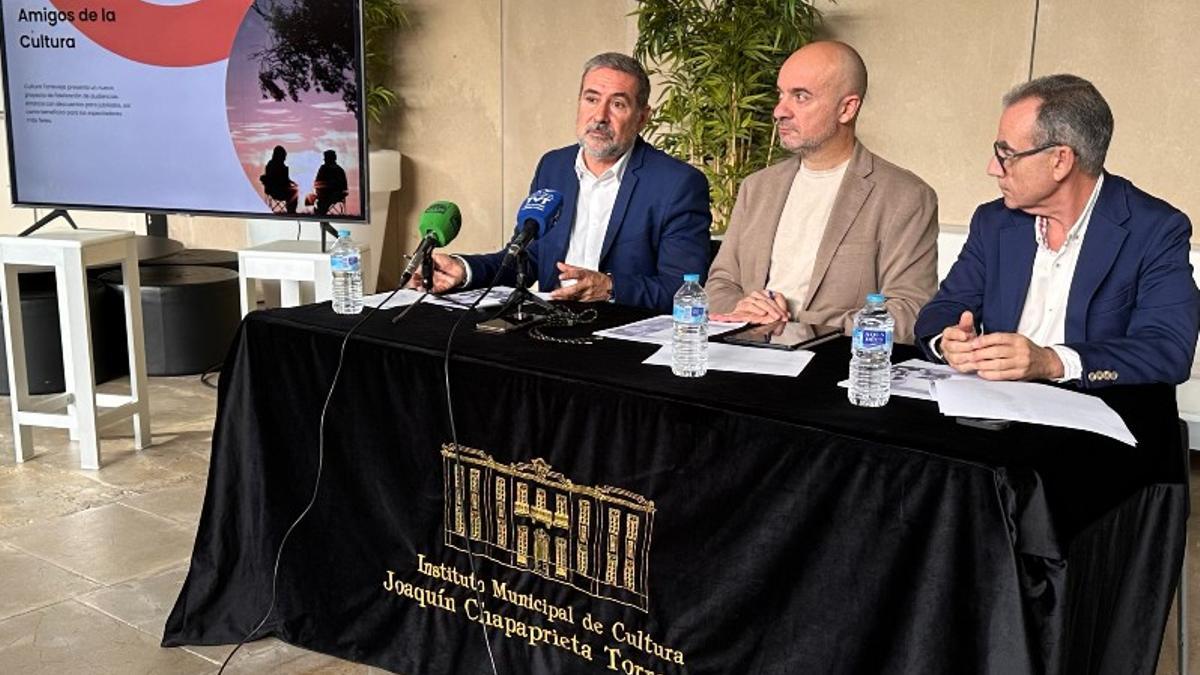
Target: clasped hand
[(997, 356), (759, 307)]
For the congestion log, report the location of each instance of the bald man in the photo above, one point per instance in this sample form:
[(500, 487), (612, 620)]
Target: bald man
[(811, 236)]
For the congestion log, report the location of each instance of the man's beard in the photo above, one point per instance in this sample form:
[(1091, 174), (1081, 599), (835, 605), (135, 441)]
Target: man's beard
[(610, 149), (808, 145)]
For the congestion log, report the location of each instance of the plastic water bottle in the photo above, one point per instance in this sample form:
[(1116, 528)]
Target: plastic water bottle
[(346, 266), (689, 343), (871, 354)]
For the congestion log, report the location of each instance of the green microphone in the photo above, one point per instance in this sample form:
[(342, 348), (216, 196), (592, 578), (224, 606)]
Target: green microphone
[(439, 226)]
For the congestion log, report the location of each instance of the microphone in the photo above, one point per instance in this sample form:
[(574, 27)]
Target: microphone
[(439, 226), (537, 214)]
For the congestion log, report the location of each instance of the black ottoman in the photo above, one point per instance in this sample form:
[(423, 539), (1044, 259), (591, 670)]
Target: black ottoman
[(206, 257), (43, 338), (189, 314), (148, 248)]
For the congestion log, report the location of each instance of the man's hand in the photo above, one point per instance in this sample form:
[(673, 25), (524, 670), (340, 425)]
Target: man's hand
[(759, 307), (956, 344), (1011, 356), (589, 286), (448, 274)]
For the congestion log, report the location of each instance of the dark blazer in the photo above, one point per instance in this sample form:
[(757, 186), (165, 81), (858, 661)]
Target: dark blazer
[(658, 231), (1133, 309)]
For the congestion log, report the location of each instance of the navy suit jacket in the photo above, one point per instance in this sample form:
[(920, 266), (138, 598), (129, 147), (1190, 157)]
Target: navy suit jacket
[(1133, 309), (658, 231)]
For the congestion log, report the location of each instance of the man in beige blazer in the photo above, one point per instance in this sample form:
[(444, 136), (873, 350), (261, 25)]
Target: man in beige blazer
[(811, 236)]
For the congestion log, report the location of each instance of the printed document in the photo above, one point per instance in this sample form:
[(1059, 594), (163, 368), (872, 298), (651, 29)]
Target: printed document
[(744, 359), (657, 330), (460, 300), (1030, 402)]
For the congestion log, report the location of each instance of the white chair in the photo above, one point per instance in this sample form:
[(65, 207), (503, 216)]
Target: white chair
[(69, 253), (291, 263)]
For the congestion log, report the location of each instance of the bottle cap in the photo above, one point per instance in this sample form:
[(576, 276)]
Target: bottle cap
[(694, 278), (875, 298), (343, 233)]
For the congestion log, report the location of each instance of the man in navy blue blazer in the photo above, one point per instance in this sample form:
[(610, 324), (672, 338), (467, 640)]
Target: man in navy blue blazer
[(1075, 274), (634, 220)]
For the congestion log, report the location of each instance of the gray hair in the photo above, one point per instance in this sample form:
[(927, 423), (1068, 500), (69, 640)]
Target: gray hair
[(1072, 113), (624, 64)]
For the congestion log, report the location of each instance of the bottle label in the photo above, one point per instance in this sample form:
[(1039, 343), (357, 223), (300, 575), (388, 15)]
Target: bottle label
[(690, 314), (344, 263), (872, 339)]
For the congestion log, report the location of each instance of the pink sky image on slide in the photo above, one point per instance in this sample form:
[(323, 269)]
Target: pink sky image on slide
[(306, 129)]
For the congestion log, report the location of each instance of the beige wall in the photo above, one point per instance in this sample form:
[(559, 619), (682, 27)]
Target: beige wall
[(1143, 57), (937, 71), (939, 67), (449, 76)]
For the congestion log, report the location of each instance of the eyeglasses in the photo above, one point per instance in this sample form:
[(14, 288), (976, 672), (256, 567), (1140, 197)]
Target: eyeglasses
[(1005, 154)]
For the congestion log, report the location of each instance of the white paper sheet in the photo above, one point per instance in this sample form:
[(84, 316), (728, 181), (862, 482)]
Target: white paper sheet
[(657, 330), (744, 359), (460, 300), (914, 378), (1030, 402)]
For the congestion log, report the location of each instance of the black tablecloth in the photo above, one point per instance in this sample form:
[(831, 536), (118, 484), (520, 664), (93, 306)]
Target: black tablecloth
[(623, 518)]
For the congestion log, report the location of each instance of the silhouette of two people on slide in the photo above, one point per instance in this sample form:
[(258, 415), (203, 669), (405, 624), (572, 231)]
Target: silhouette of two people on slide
[(329, 188)]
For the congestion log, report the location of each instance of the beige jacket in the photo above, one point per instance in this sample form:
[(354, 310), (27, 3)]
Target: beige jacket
[(881, 236)]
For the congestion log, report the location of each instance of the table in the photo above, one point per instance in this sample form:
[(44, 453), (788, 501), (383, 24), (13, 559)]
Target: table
[(625, 520)]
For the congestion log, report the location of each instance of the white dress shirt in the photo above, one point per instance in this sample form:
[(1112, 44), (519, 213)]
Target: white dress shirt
[(1044, 317), (593, 209)]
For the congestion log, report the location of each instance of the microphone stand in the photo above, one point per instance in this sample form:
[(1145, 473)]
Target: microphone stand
[(521, 298), (521, 315), (427, 271)]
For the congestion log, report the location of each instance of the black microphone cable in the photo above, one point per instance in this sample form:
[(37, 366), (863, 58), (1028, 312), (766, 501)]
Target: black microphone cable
[(320, 467), (487, 639)]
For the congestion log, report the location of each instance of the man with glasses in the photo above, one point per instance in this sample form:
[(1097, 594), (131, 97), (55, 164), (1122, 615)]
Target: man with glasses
[(1075, 275), (812, 235)]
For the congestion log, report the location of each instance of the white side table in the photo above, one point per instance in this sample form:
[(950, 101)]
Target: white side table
[(290, 263), (69, 253)]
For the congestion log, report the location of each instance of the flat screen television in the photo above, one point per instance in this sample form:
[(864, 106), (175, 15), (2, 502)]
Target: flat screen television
[(238, 108)]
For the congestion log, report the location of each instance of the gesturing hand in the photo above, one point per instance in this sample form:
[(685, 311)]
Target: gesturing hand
[(589, 286), (956, 344)]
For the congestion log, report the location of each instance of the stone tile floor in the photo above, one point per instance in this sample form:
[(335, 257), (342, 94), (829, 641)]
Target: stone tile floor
[(91, 561)]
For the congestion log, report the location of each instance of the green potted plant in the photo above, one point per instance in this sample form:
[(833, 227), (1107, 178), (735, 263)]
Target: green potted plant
[(382, 20), (717, 61)]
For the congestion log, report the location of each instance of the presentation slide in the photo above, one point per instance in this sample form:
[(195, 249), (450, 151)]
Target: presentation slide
[(238, 107)]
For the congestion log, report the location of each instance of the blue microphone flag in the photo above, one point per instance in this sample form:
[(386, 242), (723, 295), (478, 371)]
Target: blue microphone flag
[(542, 207)]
